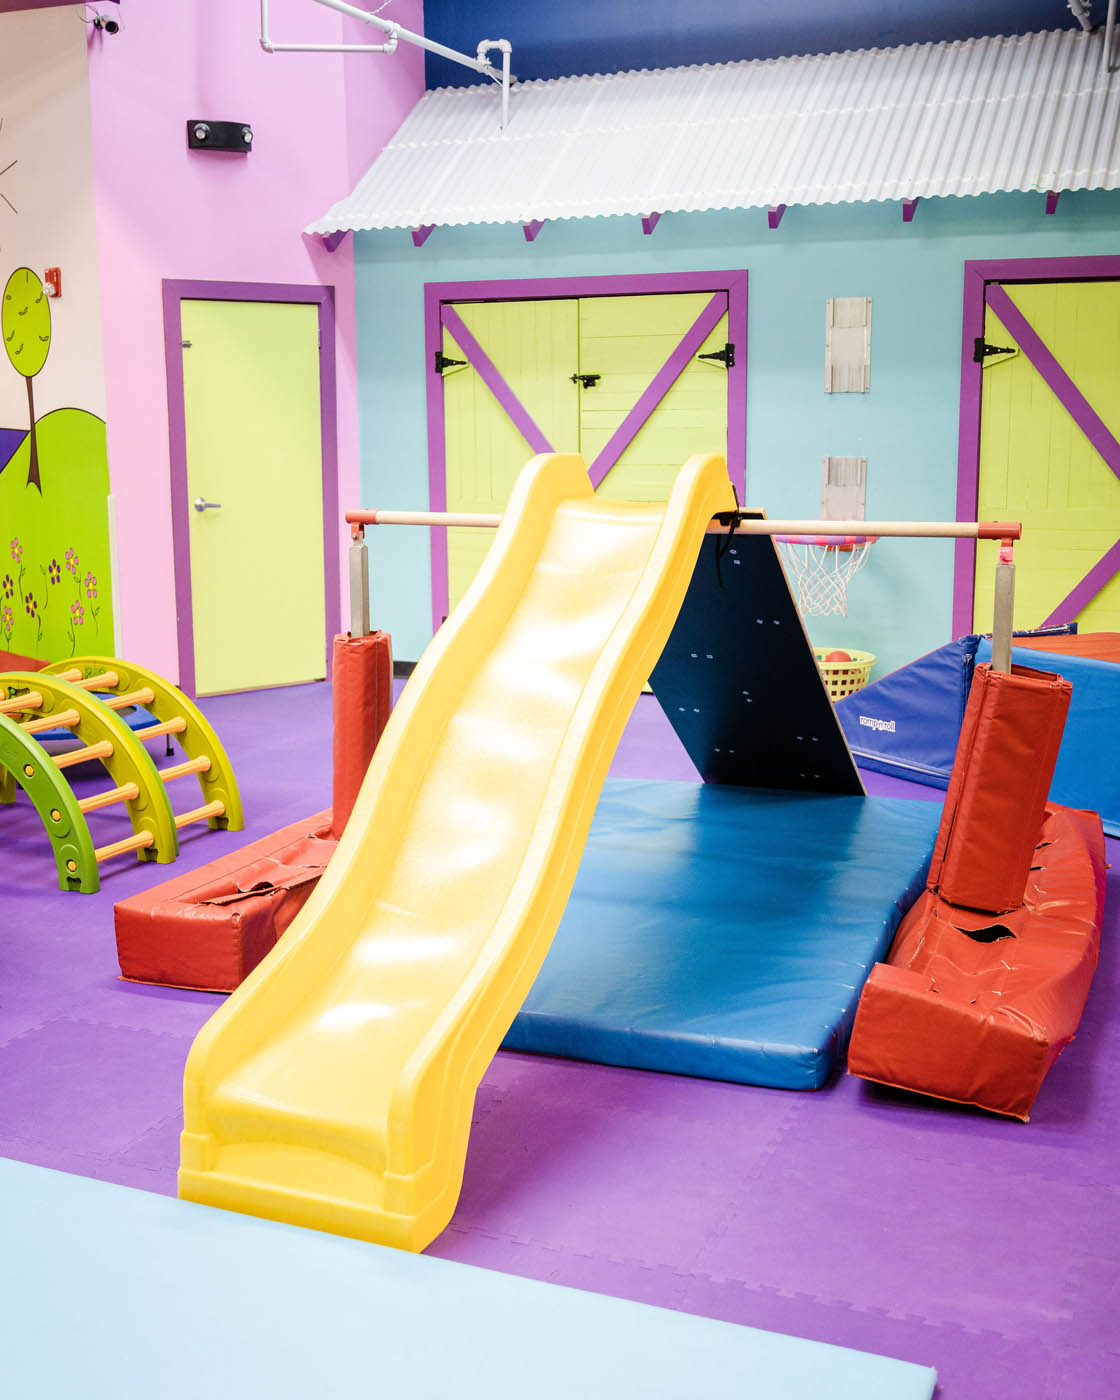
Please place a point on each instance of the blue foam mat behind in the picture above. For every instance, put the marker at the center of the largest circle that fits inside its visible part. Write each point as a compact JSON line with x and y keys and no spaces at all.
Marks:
{"x":112,"y":1292}
{"x":725,"y":932}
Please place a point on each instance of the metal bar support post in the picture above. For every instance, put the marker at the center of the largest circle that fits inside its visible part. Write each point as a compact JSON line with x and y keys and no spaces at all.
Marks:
{"x":1003,"y":620}
{"x":359,"y":585}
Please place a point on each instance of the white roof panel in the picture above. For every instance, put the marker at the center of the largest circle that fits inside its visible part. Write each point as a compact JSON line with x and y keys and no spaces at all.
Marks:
{"x":1031,"y":112}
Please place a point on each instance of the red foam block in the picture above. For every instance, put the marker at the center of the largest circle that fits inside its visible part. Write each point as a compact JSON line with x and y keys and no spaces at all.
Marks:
{"x":976,"y":1007}
{"x":208,"y":929}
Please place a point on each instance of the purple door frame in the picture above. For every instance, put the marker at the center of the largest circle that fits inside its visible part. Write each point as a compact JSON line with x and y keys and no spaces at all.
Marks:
{"x":977,"y":276}
{"x":175,"y":292}
{"x":437,"y":294}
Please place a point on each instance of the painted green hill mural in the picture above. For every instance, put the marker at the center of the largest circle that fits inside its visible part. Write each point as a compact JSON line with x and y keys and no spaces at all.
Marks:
{"x":54,"y":540}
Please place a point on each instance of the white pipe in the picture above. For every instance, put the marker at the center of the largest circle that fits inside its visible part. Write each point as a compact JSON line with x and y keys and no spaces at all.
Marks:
{"x":396,"y":31}
{"x":505,"y":48}
{"x":908,"y":529}
{"x":270,"y":47}
{"x":1109,"y":30}
{"x":1082,"y":13}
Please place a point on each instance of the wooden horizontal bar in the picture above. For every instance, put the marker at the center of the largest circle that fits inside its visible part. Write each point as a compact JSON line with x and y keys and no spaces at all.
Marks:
{"x":144,"y":696}
{"x":107,"y":680}
{"x":180,"y":770}
{"x":31,"y":701}
{"x":127,"y":792}
{"x":102,"y":749}
{"x":139,"y":842}
{"x":65,"y":719}
{"x":910,"y":529}
{"x":198,"y":814}
{"x":175,"y":725}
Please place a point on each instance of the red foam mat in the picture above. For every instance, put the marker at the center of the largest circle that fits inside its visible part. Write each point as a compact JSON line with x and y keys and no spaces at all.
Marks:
{"x":976,"y":1007}
{"x":997,"y":791}
{"x":207,"y":930}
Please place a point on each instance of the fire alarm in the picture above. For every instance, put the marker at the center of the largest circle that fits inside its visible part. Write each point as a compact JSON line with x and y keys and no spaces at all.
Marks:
{"x":52,"y":281}
{"x":205,"y":135}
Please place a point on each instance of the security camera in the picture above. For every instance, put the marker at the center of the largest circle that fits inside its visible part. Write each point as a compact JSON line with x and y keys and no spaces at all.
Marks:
{"x":110,"y":26}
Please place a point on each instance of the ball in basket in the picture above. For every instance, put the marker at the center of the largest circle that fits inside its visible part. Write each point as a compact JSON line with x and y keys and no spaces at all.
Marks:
{"x":838,"y":656}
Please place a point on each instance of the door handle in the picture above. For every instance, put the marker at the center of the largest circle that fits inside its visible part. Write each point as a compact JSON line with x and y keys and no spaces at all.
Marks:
{"x":201,"y":505}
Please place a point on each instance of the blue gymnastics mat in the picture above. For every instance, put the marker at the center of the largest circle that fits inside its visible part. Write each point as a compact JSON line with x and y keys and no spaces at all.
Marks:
{"x":725,"y":932}
{"x":110,"y":1292}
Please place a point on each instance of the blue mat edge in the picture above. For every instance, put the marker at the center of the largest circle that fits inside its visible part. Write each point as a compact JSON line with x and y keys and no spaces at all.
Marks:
{"x":52,"y":1219}
{"x":543,"y":1033}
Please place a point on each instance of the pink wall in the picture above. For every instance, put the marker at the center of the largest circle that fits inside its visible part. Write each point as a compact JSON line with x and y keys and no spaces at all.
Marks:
{"x":165,"y":212}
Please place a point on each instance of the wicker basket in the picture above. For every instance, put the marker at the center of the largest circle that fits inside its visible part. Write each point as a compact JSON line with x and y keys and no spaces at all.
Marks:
{"x":844,"y":677}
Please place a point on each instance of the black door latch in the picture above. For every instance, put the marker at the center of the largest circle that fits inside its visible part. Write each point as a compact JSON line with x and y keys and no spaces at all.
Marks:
{"x":443,"y":362}
{"x":726,"y":356}
{"x":587,"y":380}
{"x":981,"y":350}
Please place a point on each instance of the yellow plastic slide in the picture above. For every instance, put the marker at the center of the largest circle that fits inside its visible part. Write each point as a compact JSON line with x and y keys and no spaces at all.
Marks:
{"x":334,"y":1088}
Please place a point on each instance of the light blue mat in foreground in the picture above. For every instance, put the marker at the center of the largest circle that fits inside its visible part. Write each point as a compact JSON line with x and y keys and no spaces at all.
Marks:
{"x":110,"y":1292}
{"x":726,"y":932}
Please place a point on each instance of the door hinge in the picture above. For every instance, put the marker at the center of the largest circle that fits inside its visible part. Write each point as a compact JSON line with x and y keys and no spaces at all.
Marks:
{"x":186,"y":344}
{"x":981,"y":350}
{"x":443,"y":362}
{"x":587,"y":380}
{"x":726,"y":356}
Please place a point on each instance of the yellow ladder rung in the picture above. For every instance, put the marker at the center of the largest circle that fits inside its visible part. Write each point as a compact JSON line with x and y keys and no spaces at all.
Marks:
{"x":212,"y":809}
{"x":176,"y":725}
{"x":180,"y":770}
{"x":31,"y":701}
{"x":102,"y":749}
{"x":139,"y":842}
{"x":66,"y":719}
{"x":127,"y":792}
{"x":144,"y":696}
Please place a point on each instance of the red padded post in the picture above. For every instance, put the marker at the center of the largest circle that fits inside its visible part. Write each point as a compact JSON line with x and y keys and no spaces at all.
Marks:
{"x":997,"y":794}
{"x":363,"y":695}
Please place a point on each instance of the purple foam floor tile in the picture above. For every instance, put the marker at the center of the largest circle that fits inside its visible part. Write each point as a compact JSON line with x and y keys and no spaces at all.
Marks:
{"x":965,"y":1246}
{"x":806,"y":1207}
{"x":545,"y":1129}
{"x":91,"y":1088}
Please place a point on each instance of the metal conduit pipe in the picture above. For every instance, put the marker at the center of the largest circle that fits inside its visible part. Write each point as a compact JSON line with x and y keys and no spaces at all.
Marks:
{"x":1109,"y":32}
{"x":394,"y":33}
{"x":270,"y":47}
{"x":505,"y":48}
{"x":1082,"y":13}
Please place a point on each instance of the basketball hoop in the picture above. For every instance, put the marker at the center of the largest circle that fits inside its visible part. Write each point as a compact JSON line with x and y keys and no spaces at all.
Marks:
{"x":820,"y":566}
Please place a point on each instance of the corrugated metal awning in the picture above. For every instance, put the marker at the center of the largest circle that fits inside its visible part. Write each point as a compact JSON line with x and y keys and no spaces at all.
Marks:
{"x":1032,"y":112}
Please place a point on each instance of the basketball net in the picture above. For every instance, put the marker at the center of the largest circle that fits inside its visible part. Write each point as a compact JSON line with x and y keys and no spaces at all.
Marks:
{"x":820,"y":566}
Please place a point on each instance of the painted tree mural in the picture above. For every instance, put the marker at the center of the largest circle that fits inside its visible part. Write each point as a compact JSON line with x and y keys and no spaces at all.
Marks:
{"x":25,"y":323}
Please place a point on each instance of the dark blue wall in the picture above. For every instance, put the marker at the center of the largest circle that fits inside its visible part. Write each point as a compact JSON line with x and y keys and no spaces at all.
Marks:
{"x":553,"y":38}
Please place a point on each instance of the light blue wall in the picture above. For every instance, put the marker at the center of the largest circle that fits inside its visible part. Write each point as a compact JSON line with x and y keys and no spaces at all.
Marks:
{"x":906,"y":426}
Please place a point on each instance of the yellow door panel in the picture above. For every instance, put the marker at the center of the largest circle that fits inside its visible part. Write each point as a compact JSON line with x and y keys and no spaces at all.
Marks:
{"x":533,"y":346}
{"x":627,"y":340}
{"x":537,"y":346}
{"x":1036,"y":465}
{"x":253,"y":438}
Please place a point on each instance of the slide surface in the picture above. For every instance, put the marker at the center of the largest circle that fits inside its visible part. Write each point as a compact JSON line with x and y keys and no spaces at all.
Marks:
{"x":334,"y":1088}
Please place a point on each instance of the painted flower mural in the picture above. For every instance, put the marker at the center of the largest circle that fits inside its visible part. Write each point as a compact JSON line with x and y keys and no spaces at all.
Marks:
{"x":54,"y":482}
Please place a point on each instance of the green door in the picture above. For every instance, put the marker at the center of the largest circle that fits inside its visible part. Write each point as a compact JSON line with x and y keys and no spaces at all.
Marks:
{"x":583,"y":374}
{"x":254,"y":444}
{"x":1037,"y":462}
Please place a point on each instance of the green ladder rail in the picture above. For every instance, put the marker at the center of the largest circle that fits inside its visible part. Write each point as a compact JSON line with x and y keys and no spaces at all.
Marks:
{"x":23,"y":761}
{"x":176,"y":715}
{"x":51,"y":703}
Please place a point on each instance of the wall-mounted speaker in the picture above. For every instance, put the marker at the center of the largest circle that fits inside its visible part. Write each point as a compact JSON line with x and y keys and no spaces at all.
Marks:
{"x":206,"y":135}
